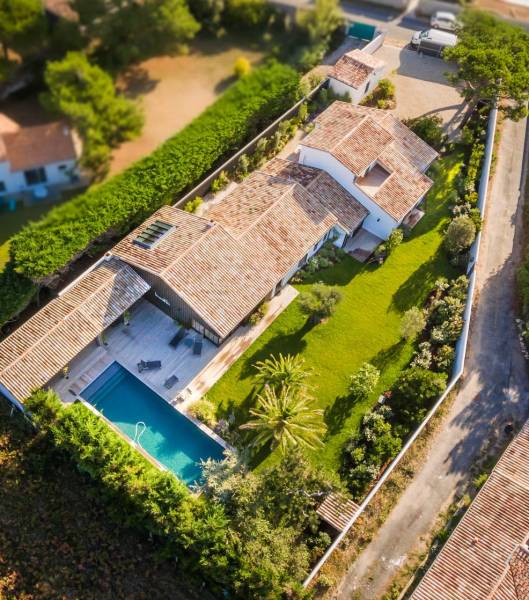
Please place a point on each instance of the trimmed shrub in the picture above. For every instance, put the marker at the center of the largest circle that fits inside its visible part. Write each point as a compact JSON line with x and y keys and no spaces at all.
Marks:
{"x":364,"y":381}
{"x":113,"y":208}
{"x":204,"y":411}
{"x":412,"y":323}
{"x":192,"y":205}
{"x":383,"y":96}
{"x":242,"y":67}
{"x":258,"y":314}
{"x":460,"y":234}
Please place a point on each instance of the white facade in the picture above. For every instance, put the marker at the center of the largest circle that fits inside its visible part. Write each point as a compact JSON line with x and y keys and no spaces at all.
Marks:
{"x":356,"y":94}
{"x":61,"y":173}
{"x":378,"y":222}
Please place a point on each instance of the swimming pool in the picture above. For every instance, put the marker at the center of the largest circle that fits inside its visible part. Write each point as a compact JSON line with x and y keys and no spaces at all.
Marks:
{"x":169,"y":437}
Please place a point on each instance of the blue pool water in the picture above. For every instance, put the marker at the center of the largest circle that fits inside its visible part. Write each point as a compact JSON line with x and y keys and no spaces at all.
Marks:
{"x":170,"y":437}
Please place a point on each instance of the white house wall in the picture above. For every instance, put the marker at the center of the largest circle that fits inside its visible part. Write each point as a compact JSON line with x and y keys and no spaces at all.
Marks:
{"x":15,"y":182}
{"x":378,"y":222}
{"x":338,"y":87}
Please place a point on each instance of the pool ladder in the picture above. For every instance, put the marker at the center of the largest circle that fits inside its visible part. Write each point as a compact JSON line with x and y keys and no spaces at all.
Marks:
{"x":138,"y":433}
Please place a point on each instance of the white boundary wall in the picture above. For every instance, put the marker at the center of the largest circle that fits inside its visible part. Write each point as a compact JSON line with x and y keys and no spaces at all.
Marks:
{"x":461,"y":349}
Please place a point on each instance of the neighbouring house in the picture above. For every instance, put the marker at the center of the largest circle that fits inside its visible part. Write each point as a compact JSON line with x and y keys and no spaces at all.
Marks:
{"x":356,"y":73}
{"x":37,"y":159}
{"x":376,"y":158}
{"x":487,"y":555}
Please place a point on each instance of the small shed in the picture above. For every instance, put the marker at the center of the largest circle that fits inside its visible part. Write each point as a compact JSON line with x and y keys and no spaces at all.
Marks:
{"x":356,"y":73}
{"x":337,"y":510}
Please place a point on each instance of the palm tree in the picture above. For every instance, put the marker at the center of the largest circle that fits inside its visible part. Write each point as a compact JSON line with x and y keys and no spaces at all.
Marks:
{"x":285,"y":418}
{"x":284,"y":371}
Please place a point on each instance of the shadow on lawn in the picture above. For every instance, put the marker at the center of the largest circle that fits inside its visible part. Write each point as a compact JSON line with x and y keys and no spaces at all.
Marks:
{"x":388,"y":356}
{"x":413,"y":291}
{"x":337,"y":414}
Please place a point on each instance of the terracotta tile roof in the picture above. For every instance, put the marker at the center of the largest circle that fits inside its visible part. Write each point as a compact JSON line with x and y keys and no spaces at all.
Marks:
{"x":358,"y":136}
{"x":354,"y":68}
{"x":48,"y":341}
{"x":225,"y":265}
{"x":482,"y":559}
{"x":288,"y":230}
{"x":349,"y":212}
{"x":37,"y":146}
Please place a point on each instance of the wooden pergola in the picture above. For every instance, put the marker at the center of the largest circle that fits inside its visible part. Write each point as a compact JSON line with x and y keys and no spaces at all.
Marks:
{"x":337,"y":510}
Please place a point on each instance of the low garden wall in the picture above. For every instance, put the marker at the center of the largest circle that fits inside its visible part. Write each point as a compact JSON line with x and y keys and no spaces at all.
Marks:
{"x":461,"y":348}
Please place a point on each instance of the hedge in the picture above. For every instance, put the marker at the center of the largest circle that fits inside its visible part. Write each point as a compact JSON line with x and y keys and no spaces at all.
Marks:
{"x":114,"y":207}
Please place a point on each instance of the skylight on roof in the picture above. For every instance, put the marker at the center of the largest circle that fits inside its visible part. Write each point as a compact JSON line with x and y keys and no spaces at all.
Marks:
{"x":152,"y":234}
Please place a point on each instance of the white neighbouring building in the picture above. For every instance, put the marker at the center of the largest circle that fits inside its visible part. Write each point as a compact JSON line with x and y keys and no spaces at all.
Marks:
{"x":34,"y":159}
{"x":357,"y":73}
{"x":376,"y":158}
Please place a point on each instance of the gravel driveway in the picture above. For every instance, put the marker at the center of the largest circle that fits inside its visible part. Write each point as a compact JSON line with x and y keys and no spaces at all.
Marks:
{"x":422,"y":88}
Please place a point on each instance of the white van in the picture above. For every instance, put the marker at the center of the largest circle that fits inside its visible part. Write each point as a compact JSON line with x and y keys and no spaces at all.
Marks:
{"x":443,"y":20}
{"x":433,"y":39}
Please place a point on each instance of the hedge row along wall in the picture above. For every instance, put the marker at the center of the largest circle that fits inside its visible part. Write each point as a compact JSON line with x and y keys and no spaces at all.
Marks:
{"x":114,"y":207}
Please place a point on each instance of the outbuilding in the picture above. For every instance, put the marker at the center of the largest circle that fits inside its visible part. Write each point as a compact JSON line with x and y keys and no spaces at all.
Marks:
{"x":357,"y":73}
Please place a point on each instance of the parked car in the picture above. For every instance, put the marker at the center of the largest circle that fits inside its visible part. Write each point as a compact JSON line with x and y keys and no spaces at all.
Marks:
{"x":443,"y":20}
{"x":433,"y":40}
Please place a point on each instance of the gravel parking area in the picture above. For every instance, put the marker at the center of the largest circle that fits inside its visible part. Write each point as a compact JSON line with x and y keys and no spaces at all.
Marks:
{"x":421,"y":86}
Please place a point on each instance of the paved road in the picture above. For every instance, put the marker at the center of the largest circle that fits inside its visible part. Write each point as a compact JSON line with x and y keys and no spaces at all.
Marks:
{"x":399,"y":26}
{"x":495,"y":387}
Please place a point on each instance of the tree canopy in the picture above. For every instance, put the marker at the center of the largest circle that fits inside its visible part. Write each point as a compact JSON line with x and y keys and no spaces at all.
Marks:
{"x":19,"y":20}
{"x":492,"y":59}
{"x":86,"y":95}
{"x":126,"y":31}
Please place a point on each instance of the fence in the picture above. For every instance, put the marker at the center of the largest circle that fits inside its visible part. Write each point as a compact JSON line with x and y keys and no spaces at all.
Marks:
{"x":461,"y":349}
{"x":205,"y":184}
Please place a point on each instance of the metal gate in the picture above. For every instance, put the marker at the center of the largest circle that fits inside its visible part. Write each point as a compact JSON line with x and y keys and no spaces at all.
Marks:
{"x":361,"y":31}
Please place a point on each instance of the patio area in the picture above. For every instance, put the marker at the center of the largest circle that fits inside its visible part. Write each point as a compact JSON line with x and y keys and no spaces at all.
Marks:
{"x":362,"y":245}
{"x":147,"y":338}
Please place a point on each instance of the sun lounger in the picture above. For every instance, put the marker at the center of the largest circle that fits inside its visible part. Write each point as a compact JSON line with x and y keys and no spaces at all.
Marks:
{"x":170,"y":381}
{"x":197,"y":346}
{"x":180,"y":335}
{"x":149,"y":365}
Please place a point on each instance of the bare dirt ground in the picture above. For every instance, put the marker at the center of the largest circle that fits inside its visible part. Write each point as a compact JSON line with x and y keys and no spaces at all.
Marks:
{"x":175,"y":89}
{"x":421,"y":85}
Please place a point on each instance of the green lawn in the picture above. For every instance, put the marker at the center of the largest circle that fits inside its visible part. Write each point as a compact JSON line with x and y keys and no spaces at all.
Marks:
{"x":365,"y":326}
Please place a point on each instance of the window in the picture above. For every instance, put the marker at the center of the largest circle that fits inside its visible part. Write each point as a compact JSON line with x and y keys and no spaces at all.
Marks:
{"x":152,"y":234}
{"x":2,"y":186}
{"x":35,"y":176}
{"x":62,"y":167}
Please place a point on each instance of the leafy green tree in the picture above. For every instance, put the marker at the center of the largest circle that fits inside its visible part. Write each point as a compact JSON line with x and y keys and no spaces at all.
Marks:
{"x":86,"y":95}
{"x":319,"y":302}
{"x":284,"y":371}
{"x":320,"y":22}
{"x":21,"y":22}
{"x":394,"y":240}
{"x":412,"y":323}
{"x":209,"y":13}
{"x":364,"y":381}
{"x":492,"y":59}
{"x":123,"y":32}
{"x":285,"y":418}
{"x":246,"y":13}
{"x":460,"y":234}
{"x":413,"y":393}
{"x":429,"y":129}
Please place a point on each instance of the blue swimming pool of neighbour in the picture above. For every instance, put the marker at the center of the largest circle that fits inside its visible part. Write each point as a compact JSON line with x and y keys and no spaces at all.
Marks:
{"x":169,"y":437}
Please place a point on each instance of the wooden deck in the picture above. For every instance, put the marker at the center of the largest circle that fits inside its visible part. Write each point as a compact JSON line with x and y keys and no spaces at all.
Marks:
{"x":147,"y":338}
